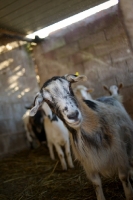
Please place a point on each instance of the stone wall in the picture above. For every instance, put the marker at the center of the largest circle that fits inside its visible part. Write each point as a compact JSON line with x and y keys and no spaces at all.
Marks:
{"x":97,"y":46}
{"x":126,"y":10}
{"x":18,"y":85}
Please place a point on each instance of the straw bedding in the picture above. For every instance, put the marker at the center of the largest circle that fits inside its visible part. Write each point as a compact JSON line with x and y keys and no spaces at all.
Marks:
{"x":32,"y":175}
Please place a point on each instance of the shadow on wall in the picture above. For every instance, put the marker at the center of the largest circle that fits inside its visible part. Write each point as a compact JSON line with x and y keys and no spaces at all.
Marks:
{"x":18,"y":86}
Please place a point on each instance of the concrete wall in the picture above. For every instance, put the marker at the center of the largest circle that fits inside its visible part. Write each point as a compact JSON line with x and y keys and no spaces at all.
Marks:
{"x":97,"y":46}
{"x":17,"y":86}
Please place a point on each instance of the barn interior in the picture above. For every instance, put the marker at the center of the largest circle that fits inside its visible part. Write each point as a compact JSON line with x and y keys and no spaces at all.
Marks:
{"x":99,"y":46}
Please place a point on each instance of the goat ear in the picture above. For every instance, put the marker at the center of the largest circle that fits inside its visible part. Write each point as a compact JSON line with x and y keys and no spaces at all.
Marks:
{"x":37,"y":103}
{"x":105,"y":88}
{"x":120,"y":86}
{"x":73,"y":78}
{"x":90,"y":90}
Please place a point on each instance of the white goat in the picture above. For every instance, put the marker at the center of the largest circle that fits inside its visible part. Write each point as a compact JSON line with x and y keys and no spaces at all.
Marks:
{"x":58,"y":136}
{"x":101,"y":133}
{"x":114,"y":92}
{"x":84,"y":92}
{"x":114,"y":89}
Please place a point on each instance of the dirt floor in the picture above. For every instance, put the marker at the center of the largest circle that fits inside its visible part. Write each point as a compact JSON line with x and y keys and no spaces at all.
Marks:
{"x":31,"y":175}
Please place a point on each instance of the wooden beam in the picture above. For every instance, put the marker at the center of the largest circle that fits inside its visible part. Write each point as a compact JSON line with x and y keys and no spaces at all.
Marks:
{"x":4,"y":31}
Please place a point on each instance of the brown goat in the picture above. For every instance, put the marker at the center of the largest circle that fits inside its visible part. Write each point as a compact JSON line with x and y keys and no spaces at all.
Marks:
{"x":101,"y":133}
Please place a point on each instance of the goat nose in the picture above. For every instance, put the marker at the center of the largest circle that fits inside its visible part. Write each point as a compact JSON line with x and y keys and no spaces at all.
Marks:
{"x":73,"y":115}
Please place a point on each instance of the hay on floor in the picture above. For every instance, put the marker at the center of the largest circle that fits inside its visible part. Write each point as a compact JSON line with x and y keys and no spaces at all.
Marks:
{"x":32,"y":175}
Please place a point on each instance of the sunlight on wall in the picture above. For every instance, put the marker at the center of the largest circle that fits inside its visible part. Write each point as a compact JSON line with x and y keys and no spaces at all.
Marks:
{"x":78,"y":17}
{"x":20,"y":73}
{"x":14,"y":87}
{"x":5,"y":63}
{"x":17,"y":68}
{"x":2,"y":48}
{"x":23,"y":93}
{"x":13,"y":82}
{"x":12,"y":79}
{"x":13,"y":73}
{"x":10,"y":46}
